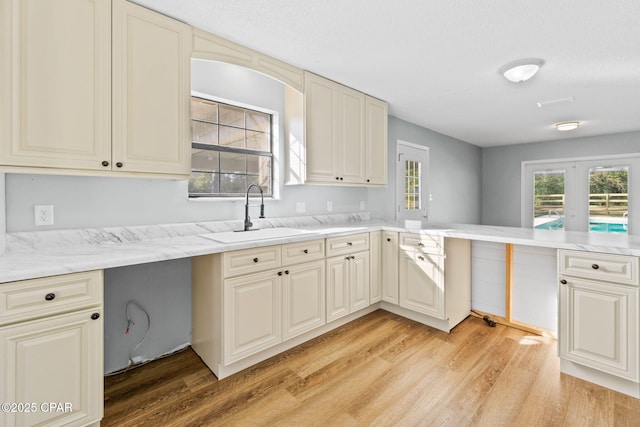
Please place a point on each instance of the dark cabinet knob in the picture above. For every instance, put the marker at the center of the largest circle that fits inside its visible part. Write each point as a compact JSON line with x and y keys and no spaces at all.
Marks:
{"x":105,"y":163}
{"x":420,"y":244}
{"x":306,"y":251}
{"x":255,"y":260}
{"x":337,"y":178}
{"x":368,"y":180}
{"x":341,"y":178}
{"x":286,"y":272}
{"x":50,"y":297}
{"x":421,"y":258}
{"x":595,"y":266}
{"x":349,"y":243}
{"x":564,"y":282}
{"x":279,"y":273}
{"x":95,"y":316}
{"x":119,"y":164}
{"x":388,"y":239}
{"x":353,"y":257}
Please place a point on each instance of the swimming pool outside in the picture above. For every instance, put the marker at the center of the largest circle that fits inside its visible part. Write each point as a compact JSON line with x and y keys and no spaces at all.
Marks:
{"x":601,"y":225}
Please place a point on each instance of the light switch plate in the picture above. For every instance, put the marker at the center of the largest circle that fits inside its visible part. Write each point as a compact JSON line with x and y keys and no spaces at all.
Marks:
{"x":300,"y":207}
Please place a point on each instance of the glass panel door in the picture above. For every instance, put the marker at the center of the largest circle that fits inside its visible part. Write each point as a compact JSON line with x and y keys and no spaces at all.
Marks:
{"x":609,"y":199}
{"x":548,"y":199}
{"x":411,"y":191}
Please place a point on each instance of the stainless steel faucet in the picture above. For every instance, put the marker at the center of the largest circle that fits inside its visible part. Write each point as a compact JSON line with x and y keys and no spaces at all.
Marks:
{"x":247,"y":220}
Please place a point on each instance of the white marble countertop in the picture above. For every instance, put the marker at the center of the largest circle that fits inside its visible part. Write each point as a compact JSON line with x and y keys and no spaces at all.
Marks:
{"x":39,"y":254}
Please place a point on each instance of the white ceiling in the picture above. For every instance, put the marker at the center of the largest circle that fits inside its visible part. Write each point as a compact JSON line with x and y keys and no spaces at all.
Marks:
{"x":436,"y":62}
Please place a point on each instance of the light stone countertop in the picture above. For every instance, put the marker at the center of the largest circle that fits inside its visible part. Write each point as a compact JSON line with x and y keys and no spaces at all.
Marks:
{"x":39,"y":254}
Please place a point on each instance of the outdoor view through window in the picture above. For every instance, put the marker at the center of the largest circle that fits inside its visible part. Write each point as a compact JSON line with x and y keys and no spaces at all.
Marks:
{"x":608,"y":199}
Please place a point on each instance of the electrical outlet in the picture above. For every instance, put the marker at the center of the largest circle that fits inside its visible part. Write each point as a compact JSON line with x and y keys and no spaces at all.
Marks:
{"x":329,"y":206}
{"x":43,"y":214}
{"x":300,"y":207}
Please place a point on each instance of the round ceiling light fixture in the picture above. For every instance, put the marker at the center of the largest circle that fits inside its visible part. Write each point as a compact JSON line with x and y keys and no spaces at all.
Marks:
{"x":566,"y":126}
{"x":521,"y":70}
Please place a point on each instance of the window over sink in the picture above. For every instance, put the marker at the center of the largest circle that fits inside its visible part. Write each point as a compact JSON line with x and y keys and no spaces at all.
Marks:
{"x":231,"y":148}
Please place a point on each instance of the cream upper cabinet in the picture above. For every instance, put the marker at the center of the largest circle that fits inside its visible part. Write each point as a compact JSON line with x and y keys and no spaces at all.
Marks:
{"x":55,"y":83}
{"x":376,"y":145}
{"x":345,"y":135}
{"x":151,"y":91}
{"x":94,"y":85}
{"x":322,"y":137}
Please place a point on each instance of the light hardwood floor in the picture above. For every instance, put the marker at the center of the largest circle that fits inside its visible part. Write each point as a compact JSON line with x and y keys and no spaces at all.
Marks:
{"x":381,"y":370}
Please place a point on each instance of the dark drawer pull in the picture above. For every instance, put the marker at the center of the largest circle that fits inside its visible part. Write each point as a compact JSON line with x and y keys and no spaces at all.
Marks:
{"x":119,"y":164}
{"x":420,"y":244}
{"x":349,"y":243}
{"x":286,"y":272}
{"x":420,"y":257}
{"x":95,"y":316}
{"x":388,"y":239}
{"x":306,"y":251}
{"x":564,"y":282}
{"x":255,"y":260}
{"x":105,"y":163}
{"x":50,"y":297}
{"x":595,"y":266}
{"x":279,"y":273}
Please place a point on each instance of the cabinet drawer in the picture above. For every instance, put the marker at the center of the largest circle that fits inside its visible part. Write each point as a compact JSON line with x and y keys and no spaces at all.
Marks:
{"x":422,"y":242}
{"x":347,"y":244}
{"x":621,"y":269}
{"x":252,"y":260}
{"x":29,"y":299}
{"x":294,"y":253}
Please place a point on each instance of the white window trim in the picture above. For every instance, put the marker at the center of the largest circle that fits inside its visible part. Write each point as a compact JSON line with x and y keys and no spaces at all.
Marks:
{"x":400,"y":178}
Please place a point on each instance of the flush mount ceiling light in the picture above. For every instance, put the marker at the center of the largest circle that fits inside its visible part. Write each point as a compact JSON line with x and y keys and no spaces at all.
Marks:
{"x":521,"y":70}
{"x":565,"y":126}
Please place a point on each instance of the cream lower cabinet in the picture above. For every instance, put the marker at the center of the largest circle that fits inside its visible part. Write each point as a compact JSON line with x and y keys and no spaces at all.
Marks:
{"x":303,"y":298}
{"x":94,"y":85}
{"x":51,"y":350}
{"x":247,"y":301}
{"x":599,"y":312}
{"x":389,"y":272}
{"x":422,"y":283}
{"x":435,"y":278}
{"x":375,"y":266}
{"x":348,"y":270}
{"x":252,"y":314}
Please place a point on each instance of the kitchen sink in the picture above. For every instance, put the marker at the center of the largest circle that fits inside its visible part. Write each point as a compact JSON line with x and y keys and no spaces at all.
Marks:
{"x":260,"y":234}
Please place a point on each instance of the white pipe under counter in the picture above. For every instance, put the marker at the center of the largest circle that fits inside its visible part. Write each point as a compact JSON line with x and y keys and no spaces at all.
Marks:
{"x":39,"y":254}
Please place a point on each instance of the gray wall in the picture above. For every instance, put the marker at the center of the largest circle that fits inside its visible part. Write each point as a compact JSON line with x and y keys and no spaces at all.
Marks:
{"x":501,"y":169}
{"x":454,"y":174}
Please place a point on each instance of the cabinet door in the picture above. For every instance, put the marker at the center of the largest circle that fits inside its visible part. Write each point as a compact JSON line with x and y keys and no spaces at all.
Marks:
{"x":375,"y":266}
{"x":252,"y":314}
{"x":422,"y":283}
{"x":359,"y":281}
{"x":350,"y":158}
{"x":57,"y":359}
{"x":321,"y":129}
{"x":390,"y":267}
{"x":55,"y":83}
{"x":151,"y":91}
{"x":599,"y":326}
{"x":303,"y":296}
{"x":337,"y":287}
{"x":375,"y":153}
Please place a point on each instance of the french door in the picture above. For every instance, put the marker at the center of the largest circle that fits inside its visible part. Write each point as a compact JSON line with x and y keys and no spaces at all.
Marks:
{"x":593,"y":195}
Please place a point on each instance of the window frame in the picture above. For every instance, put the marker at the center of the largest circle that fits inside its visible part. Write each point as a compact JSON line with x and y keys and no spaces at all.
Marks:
{"x":272,"y":154}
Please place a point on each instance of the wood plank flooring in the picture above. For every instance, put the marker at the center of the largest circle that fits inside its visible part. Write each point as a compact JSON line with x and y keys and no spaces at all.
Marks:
{"x":381,"y":370}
